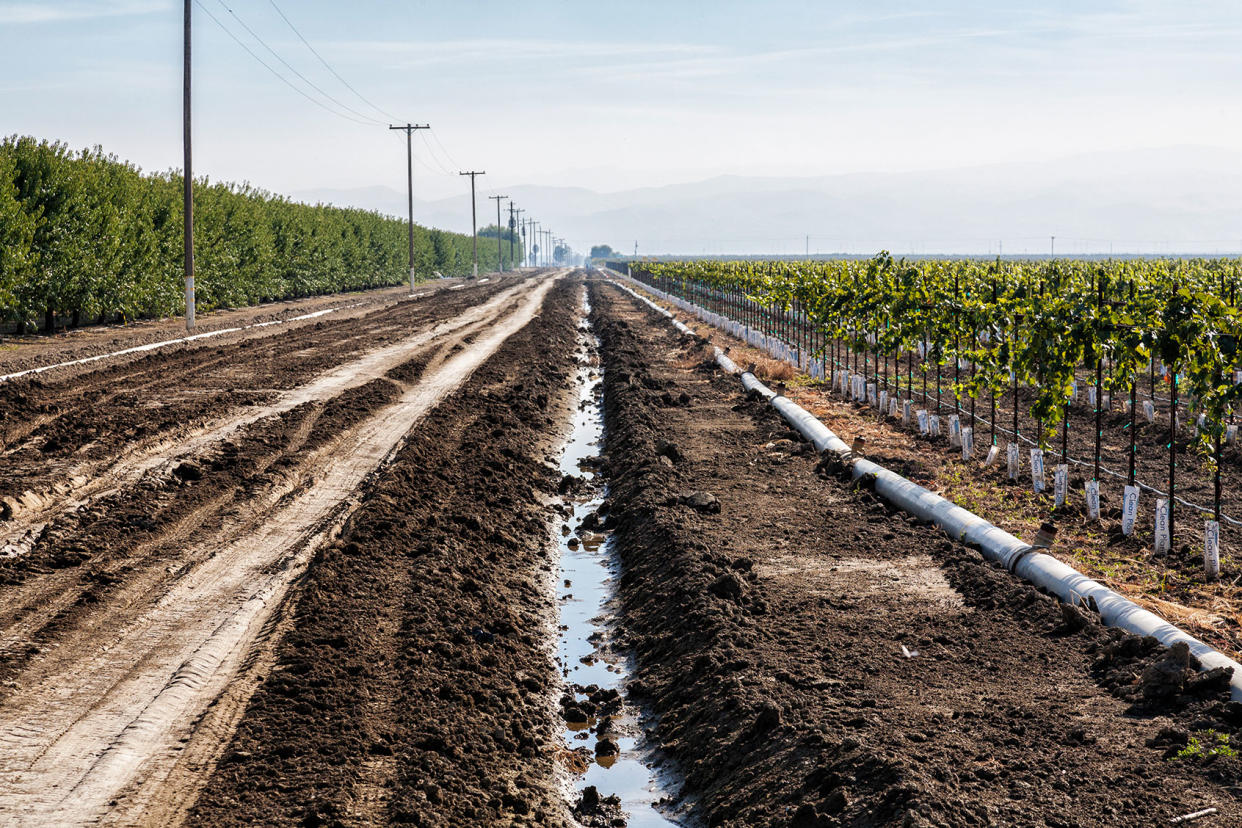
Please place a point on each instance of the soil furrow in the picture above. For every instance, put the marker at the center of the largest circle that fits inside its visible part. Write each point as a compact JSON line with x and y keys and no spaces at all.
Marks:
{"x":416,"y":685}
{"x":93,"y":715}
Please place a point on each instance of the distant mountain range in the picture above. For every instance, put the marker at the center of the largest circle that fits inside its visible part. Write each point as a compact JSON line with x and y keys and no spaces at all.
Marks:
{"x":1178,"y":199}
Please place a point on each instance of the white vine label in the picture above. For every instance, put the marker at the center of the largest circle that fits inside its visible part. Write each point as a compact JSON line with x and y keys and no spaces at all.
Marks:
{"x":1231,"y":434}
{"x":906,"y":408}
{"x":1091,"y":396}
{"x":1092,"y":490}
{"x":1211,"y":549}
{"x":1060,"y":485}
{"x":1149,"y":411}
{"x":892,"y":407}
{"x":1129,"y":509}
{"x":990,"y":460}
{"x":1013,"y":461}
{"x":955,"y":430}
{"x":1037,"y":469}
{"x":933,"y":425}
{"x":968,"y":442}
{"x":871,"y":394}
{"x":922,"y":421}
{"x":1162,"y":526}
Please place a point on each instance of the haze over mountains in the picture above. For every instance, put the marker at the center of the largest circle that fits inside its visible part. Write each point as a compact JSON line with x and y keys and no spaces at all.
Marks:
{"x":1180,"y":199}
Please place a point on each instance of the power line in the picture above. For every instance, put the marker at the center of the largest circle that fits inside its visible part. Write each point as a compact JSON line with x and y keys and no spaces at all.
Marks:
{"x":434,"y":158}
{"x":290,"y":67}
{"x":447,"y":154}
{"x":268,"y":67}
{"x":328,"y":66}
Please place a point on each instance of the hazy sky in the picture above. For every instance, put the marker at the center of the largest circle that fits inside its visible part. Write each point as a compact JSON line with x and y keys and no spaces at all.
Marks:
{"x":616,"y":95}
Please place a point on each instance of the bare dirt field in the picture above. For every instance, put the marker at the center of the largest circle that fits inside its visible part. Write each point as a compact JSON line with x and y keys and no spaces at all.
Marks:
{"x":312,"y":574}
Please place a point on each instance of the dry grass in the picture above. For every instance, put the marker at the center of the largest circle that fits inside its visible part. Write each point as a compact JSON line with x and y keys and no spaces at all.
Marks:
{"x":1179,"y":594}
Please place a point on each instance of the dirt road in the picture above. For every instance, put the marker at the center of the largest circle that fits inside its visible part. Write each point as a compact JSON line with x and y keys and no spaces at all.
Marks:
{"x":119,"y":638}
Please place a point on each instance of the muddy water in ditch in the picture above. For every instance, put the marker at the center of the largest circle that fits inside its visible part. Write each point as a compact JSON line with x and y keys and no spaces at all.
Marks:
{"x":603,"y":732}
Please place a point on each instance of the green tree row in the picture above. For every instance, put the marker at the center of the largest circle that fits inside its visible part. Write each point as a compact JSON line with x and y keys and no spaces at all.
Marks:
{"x":87,"y":237}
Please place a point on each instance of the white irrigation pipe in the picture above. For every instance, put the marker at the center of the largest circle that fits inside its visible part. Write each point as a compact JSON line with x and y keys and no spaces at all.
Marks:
{"x":1038,"y":568}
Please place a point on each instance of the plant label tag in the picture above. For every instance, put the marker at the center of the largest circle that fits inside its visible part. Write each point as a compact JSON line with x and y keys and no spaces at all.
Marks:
{"x":1073,"y":394}
{"x":1091,"y":396}
{"x":1162,"y":526}
{"x":1092,"y":490}
{"x":1108,"y":403}
{"x":883,"y":401}
{"x":1237,"y":377}
{"x":968,"y":442}
{"x":1013,"y":461}
{"x":922,"y":421}
{"x":1211,"y":549}
{"x":871,"y":394}
{"x":1149,"y":411}
{"x":1231,"y":434}
{"x":1037,"y":469}
{"x":906,"y":408}
{"x":1129,"y":509}
{"x":1060,"y":485}
{"x":933,"y":425}
{"x":990,"y":460}
{"x":955,"y":430}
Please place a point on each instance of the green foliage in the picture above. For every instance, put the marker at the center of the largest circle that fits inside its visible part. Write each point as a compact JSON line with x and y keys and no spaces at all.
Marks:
{"x":1042,"y":321}
{"x":85,"y":235}
{"x":602,"y":251}
{"x":1213,"y":745}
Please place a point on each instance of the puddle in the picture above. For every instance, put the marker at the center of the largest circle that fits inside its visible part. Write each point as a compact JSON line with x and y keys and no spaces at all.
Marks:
{"x":601,"y":729}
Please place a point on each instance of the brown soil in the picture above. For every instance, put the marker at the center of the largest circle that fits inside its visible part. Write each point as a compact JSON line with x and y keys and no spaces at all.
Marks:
{"x":49,"y":424}
{"x":769,"y":637}
{"x":416,"y":684}
{"x":20,"y":353}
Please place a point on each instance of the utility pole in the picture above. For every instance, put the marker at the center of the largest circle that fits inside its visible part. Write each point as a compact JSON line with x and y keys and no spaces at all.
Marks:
{"x":515,"y":218}
{"x":474,"y":219}
{"x":409,"y":184}
{"x":188,"y":181}
{"x":536,"y":247}
{"x":1054,"y":246}
{"x":500,"y":256}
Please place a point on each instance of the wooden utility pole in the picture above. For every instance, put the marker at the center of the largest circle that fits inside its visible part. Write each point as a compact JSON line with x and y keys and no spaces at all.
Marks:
{"x":500,"y":256}
{"x":513,"y":214}
{"x":188,"y":180}
{"x":474,"y":218}
{"x":409,"y":184}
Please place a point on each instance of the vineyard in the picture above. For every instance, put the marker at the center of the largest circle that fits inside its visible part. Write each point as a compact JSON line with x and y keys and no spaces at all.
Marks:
{"x":86,"y":237}
{"x":1094,"y":356}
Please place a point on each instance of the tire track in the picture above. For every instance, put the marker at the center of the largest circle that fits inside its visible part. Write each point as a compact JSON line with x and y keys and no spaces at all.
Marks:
{"x":69,"y":738}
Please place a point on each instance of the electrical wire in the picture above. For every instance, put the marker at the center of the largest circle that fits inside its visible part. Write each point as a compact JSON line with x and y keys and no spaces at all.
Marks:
{"x":447,"y":154}
{"x":290,"y":67}
{"x":328,"y":66}
{"x":268,"y":67}
{"x":431,"y":153}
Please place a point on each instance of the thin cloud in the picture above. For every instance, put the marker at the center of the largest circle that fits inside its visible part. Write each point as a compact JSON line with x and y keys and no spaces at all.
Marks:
{"x":423,"y":53}
{"x":54,"y":12}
